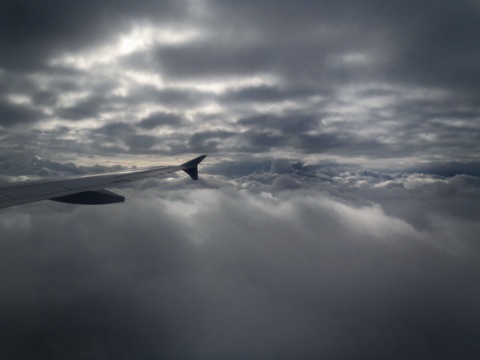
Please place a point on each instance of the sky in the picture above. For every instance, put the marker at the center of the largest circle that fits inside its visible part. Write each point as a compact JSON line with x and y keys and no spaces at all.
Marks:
{"x":337,"y":213}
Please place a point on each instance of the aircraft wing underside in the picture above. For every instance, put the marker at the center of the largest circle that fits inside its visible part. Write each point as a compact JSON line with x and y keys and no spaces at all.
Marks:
{"x":85,"y":189}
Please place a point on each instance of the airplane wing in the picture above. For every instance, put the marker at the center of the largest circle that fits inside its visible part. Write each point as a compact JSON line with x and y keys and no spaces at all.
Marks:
{"x":85,"y":189}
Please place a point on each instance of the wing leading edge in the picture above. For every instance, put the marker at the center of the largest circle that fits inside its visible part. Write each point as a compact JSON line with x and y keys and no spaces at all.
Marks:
{"x":85,"y":189}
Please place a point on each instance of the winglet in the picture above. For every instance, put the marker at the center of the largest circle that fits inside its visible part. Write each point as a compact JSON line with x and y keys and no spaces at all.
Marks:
{"x":191,"y":167}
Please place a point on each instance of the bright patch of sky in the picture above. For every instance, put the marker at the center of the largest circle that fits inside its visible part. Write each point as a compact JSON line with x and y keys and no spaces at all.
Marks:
{"x":140,"y":38}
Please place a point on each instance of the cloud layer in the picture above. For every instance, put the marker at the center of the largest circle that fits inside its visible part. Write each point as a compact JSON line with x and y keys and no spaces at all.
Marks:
{"x":286,"y":262}
{"x":337,"y":215}
{"x":385,"y":84}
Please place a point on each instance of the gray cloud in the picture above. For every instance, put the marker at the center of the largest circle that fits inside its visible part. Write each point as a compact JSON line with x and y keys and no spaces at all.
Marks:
{"x":37,"y":167}
{"x":338,"y":211}
{"x":87,"y":108}
{"x":397,"y":66}
{"x":285,"y":124}
{"x":208,"y":141}
{"x":160,"y":120}
{"x":15,"y":114}
{"x":278,"y":270}
{"x":124,"y":139}
{"x":265,"y":94}
{"x":32,"y":32}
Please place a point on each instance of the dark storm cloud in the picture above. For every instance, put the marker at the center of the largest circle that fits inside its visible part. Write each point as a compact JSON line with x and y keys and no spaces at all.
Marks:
{"x":341,"y":143}
{"x":211,"y":60}
{"x":160,"y":119}
{"x":266,"y":94}
{"x":451,"y":168}
{"x":208,"y":141}
{"x":33,"y":32}
{"x":298,"y":41}
{"x":87,"y":108}
{"x":12,"y":114}
{"x":303,"y":52}
{"x":425,"y":41}
{"x":122,"y":138}
{"x":138,"y":143}
{"x":342,"y":44}
{"x":293,"y":124}
{"x":238,"y":168}
{"x":116,"y":130}
{"x":430,"y":126}
{"x":293,"y":131}
{"x":179,"y":98}
{"x":262,"y":141}
{"x":439,"y":48}
{"x":169,"y":97}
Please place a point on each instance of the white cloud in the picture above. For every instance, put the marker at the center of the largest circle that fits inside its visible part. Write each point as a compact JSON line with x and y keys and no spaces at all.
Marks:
{"x":140,"y":37}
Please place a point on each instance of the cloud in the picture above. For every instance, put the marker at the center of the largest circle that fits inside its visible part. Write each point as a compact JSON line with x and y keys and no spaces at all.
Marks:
{"x":86,"y":108}
{"x":36,"y":167}
{"x":31,"y":33}
{"x":337,"y":215}
{"x":265,"y":94}
{"x":208,"y":141}
{"x":160,"y":120}
{"x":340,"y":79}
{"x":12,"y":113}
{"x":238,"y":269}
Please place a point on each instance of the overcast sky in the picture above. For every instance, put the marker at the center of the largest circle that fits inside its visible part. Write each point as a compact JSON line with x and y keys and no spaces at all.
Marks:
{"x":338,"y":209}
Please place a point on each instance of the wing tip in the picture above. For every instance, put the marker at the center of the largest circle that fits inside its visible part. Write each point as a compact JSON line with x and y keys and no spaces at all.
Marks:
{"x":191,"y":167}
{"x":194,"y":162}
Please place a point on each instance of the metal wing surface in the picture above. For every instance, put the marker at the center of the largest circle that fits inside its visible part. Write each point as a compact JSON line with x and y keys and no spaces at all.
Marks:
{"x":85,"y":189}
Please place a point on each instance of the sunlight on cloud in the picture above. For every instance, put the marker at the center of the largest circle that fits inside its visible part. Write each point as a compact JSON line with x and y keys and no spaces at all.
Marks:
{"x":141,"y":37}
{"x":281,"y":106}
{"x":70,"y":98}
{"x":452,"y":122}
{"x":130,"y":78}
{"x":372,"y":220}
{"x":210,"y":86}
{"x":214,"y":86}
{"x":294,"y":210}
{"x":144,"y":78}
{"x":19,"y":99}
{"x":356,"y":58}
{"x":353,"y":102}
{"x":219,"y":85}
